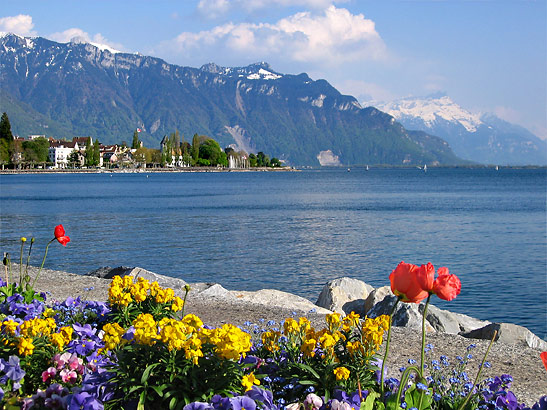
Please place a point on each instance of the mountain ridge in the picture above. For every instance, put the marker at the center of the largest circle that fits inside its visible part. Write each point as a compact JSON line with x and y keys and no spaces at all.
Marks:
{"x":107,"y":95}
{"x":482,"y":138}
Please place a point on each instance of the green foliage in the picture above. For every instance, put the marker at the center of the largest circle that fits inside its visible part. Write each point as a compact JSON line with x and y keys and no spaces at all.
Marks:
{"x":6,"y":139}
{"x":36,"y":150}
{"x":210,"y":150}
{"x":136,"y":142}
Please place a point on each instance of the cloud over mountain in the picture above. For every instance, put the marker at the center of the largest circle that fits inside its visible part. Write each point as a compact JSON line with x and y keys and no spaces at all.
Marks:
{"x":332,"y":37}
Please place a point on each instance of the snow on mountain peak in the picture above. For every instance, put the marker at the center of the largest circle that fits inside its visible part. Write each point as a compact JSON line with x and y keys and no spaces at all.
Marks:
{"x":431,"y":109}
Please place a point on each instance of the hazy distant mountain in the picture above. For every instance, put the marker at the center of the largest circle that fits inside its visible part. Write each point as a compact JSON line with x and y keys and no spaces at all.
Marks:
{"x":82,"y":89}
{"x":481,"y":138}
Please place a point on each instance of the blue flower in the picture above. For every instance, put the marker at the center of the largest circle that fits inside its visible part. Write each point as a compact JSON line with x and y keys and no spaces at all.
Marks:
{"x":197,"y":405}
{"x":84,"y":401}
{"x":242,"y":403}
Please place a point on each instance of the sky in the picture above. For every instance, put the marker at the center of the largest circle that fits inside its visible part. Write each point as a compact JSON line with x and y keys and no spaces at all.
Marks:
{"x":486,"y":55}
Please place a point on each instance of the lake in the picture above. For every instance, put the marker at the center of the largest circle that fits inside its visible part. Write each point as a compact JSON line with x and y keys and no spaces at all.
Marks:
{"x":294,"y":231}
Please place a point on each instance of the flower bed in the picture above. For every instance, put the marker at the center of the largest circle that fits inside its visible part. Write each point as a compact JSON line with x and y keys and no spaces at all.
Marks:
{"x":139,"y":350}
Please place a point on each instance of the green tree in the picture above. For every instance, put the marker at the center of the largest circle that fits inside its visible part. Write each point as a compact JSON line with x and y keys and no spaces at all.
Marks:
{"x":36,"y":151}
{"x":195,"y":147}
{"x":143,"y":155}
{"x":275,"y":162}
{"x":210,"y":150}
{"x":6,"y":140}
{"x":96,"y":153}
{"x":136,"y":143}
{"x":89,"y":153}
{"x":74,"y":159}
{"x":252,"y":160}
{"x":156,"y":156}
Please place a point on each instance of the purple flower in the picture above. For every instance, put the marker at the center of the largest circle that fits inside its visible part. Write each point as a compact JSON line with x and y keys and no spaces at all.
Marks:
{"x":220,"y":403}
{"x":262,"y":396}
{"x":197,"y":405}
{"x":507,"y":401}
{"x":12,"y":370}
{"x":84,"y":401}
{"x":242,"y":402}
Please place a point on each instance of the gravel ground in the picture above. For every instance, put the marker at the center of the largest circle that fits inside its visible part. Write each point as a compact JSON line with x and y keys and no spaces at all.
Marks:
{"x":522,"y":362}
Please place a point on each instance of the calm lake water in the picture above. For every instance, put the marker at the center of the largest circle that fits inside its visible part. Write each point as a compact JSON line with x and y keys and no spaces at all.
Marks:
{"x":294,"y":231}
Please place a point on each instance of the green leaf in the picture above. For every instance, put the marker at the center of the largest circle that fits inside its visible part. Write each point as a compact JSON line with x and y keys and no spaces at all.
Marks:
{"x":146,"y":373}
{"x":368,"y":404}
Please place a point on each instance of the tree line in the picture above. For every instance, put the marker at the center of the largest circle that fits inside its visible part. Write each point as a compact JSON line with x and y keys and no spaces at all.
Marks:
{"x":175,"y":151}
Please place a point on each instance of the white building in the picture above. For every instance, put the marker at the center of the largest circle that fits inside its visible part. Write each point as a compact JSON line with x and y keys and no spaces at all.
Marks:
{"x":59,"y":152}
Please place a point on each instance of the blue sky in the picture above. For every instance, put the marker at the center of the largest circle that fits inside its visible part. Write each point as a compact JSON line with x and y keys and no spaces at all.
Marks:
{"x":487,"y":55}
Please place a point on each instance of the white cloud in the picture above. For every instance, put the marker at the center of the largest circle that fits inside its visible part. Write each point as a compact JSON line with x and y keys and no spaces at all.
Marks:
{"x":330,"y":38}
{"x":216,"y":8}
{"x":71,"y":33}
{"x":21,"y":24}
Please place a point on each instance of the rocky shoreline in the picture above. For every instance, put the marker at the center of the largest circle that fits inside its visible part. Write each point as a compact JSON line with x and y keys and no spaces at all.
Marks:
{"x":216,"y":305}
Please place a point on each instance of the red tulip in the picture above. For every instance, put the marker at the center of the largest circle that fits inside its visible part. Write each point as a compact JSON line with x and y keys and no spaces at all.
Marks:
{"x":60,"y":235}
{"x":447,"y":286}
{"x":405,"y":285}
{"x":543,"y":356}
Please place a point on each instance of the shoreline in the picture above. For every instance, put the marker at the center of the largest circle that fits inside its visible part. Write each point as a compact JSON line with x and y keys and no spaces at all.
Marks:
{"x":142,"y":170}
{"x":210,"y":303}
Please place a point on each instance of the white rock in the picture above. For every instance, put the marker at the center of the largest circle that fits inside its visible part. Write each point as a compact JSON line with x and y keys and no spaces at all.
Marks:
{"x":344,"y":295}
{"x":273,"y":298}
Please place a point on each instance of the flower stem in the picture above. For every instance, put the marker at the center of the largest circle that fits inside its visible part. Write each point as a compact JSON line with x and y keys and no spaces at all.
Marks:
{"x":422,"y":354}
{"x":187,"y":290}
{"x":387,"y":348}
{"x":21,"y":264}
{"x":422,"y":357}
{"x":42,"y":265}
{"x":28,"y":256}
{"x":480,"y":370}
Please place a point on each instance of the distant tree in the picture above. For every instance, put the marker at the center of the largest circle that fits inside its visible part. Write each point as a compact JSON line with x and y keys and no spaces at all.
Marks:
{"x":195,"y":147}
{"x":252,"y":160}
{"x":156,"y":156}
{"x":6,"y":139}
{"x":96,"y":153}
{"x":89,"y":153}
{"x":275,"y":162}
{"x":143,"y":155}
{"x":262,"y":160}
{"x":36,"y":151}
{"x":210,"y":150}
{"x":135,"y":143}
{"x":74,"y":159}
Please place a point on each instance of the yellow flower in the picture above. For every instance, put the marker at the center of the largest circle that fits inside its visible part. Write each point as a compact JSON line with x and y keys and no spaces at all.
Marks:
{"x":333,"y":322}
{"x":48,"y":312}
{"x":249,"y":380}
{"x":291,"y":326}
{"x":177,"y":305}
{"x":146,"y":329}
{"x":23,"y":239}
{"x":341,"y":373}
{"x":10,"y":327}
{"x":350,"y":321}
{"x":192,"y":320}
{"x":25,"y":346}
{"x":113,"y":333}
{"x":308,"y":347}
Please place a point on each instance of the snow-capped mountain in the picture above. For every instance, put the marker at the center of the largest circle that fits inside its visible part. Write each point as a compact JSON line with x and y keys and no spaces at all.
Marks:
{"x":483,"y":138}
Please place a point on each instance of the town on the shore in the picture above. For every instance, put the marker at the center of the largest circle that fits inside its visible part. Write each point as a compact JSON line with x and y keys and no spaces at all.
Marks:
{"x":39,"y":152}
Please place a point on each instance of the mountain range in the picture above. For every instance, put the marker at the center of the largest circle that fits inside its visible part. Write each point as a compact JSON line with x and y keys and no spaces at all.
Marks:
{"x":482,"y":138}
{"x":80,"y":89}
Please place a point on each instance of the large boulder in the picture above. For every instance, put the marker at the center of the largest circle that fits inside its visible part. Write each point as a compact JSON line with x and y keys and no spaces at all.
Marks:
{"x":448,"y":322}
{"x":508,"y":333}
{"x":344,"y":295}
{"x":276,"y":298}
{"x":107,"y":272}
{"x":406,"y":314}
{"x":376,"y":296}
